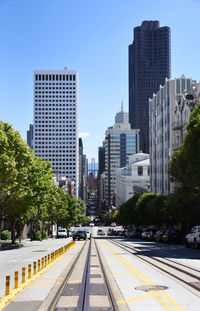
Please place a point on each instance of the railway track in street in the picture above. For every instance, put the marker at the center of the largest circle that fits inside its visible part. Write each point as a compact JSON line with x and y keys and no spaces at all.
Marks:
{"x":86,"y":286}
{"x":188,"y":276}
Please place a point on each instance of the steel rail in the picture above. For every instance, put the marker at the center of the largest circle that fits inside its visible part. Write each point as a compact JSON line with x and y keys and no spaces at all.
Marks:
{"x":126,"y":248}
{"x":59,"y":291}
{"x":110,"y":292}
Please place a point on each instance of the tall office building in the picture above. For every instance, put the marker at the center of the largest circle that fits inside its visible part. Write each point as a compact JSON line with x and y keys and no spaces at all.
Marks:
{"x":120,"y":142}
{"x":149,"y":65}
{"x":101,"y":170}
{"x":55,"y":132}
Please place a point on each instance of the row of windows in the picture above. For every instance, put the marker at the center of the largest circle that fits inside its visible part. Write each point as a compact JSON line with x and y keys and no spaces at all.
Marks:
{"x":67,"y":86}
{"x":49,"y":77}
{"x":49,"y":125}
{"x":55,"y":105}
{"x":54,"y":100}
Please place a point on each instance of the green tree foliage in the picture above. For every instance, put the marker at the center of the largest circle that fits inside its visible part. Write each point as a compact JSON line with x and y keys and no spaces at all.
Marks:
{"x":184,"y":166}
{"x":27,"y":189}
{"x":144,"y":209}
{"x":15,"y":162}
{"x":184,"y":169}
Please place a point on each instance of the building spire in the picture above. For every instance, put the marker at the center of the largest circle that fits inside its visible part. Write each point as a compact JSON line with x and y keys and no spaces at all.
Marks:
{"x":122,"y":106}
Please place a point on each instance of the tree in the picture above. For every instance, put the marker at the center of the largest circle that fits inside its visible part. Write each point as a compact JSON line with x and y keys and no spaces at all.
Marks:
{"x":41,"y":183}
{"x":184,"y":169}
{"x":143,"y":213}
{"x":184,"y":166}
{"x":15,"y":163}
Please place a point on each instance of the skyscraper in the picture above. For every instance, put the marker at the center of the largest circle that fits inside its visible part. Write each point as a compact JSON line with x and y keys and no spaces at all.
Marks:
{"x":55,"y":132}
{"x":120,"y":142}
{"x":149,"y":65}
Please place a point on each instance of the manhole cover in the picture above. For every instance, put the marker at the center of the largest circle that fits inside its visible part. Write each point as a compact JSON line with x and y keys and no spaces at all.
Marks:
{"x":148,"y":288}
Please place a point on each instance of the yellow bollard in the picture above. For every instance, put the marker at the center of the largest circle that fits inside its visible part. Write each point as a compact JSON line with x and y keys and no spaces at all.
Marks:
{"x":34,"y":267}
{"x":23,"y":274}
{"x":45,"y":260}
{"x":16,"y":279}
{"x":38,"y":265}
{"x":29,"y":271}
{"x":42,"y":263}
{"x":48,"y":259}
{"x":7,"y":285}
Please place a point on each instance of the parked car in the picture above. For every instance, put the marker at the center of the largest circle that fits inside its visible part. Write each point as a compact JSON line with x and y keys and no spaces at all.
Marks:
{"x":113,"y":224}
{"x":69,"y":233}
{"x":137,"y":234}
{"x":88,"y":235}
{"x":158,"y":235}
{"x":193,"y":238}
{"x":100,"y":232}
{"x":77,"y":225}
{"x":80,"y":235}
{"x":145,"y":234}
{"x":171,"y":236}
{"x":91,"y":224}
{"x":129,"y":233}
{"x":62,"y":233}
{"x":150,"y":234}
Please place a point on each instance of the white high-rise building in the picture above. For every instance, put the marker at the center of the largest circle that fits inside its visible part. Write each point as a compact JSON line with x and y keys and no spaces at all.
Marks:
{"x":56,"y":120}
{"x":120,"y":142}
{"x":161,"y":130}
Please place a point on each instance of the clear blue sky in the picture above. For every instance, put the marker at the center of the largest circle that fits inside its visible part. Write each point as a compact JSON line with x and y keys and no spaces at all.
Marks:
{"x":92,"y":37}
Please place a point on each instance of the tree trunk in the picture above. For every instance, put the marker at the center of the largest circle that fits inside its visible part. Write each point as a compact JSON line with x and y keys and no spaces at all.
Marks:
{"x":13,"y":223}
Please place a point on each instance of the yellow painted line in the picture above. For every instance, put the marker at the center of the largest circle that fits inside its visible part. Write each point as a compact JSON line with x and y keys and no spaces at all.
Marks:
{"x":43,"y":285}
{"x":137,"y":299}
{"x":119,"y":274}
{"x":179,"y":308}
{"x":79,"y":266}
{"x":163,"y":302}
{"x":124,"y":263}
{"x":135,"y":272}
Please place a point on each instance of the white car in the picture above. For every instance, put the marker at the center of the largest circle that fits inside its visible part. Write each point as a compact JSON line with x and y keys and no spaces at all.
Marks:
{"x":193,"y":238}
{"x":100,"y":232}
{"x":62,"y":233}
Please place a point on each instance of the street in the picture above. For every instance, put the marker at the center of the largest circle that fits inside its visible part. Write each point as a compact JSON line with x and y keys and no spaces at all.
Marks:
{"x":145,"y":275}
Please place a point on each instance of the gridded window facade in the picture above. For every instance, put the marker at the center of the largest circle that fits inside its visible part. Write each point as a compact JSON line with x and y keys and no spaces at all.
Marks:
{"x":56,"y":120}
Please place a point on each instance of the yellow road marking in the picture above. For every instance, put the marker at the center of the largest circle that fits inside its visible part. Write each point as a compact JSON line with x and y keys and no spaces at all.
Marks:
{"x":179,"y":308}
{"x":137,"y":299}
{"x":135,"y":272}
{"x":74,"y":281}
{"x":43,"y":285}
{"x":119,"y":274}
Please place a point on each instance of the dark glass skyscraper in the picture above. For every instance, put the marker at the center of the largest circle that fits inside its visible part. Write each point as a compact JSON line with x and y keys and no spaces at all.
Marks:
{"x":149,"y":65}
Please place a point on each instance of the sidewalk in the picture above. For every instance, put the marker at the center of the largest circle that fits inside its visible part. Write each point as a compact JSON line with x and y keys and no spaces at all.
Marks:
{"x":14,"y":259}
{"x":49,"y":279}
